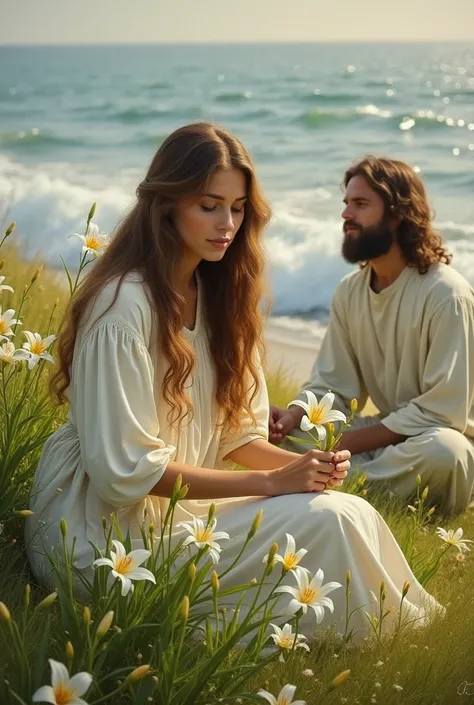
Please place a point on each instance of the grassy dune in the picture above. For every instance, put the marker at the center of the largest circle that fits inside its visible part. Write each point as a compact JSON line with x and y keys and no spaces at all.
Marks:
{"x":432,"y":665}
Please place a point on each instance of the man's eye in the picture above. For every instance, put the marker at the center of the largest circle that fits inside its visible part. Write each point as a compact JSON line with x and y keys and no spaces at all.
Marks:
{"x":208,"y":209}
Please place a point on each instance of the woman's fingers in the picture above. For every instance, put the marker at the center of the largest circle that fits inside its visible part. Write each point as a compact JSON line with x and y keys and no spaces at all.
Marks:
{"x":341,"y":456}
{"x":343,"y":467}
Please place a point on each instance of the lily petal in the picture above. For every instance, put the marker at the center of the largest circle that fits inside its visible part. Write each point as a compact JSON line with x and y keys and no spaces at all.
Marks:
{"x":81,"y":682}
{"x":45,"y":694}
{"x":59,"y":673}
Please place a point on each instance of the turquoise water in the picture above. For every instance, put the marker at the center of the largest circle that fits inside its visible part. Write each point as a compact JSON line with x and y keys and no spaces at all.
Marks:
{"x":80,"y":124}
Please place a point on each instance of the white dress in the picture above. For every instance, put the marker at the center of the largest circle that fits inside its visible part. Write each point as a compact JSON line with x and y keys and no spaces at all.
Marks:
{"x":116,"y":446}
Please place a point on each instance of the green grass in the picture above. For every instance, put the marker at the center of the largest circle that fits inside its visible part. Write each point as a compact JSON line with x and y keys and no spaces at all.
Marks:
{"x":429,"y":664}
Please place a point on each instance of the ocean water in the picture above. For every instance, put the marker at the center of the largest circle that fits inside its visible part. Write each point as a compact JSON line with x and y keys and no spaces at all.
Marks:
{"x":80,"y":124}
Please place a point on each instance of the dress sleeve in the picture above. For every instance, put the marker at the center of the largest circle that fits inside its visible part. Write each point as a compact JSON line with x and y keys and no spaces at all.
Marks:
{"x":447,"y":383}
{"x":336,"y":368}
{"x":249,"y":431}
{"x":115,"y":414}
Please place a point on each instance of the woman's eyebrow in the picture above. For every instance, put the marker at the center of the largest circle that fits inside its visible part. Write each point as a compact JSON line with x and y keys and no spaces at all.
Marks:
{"x":221,"y":198}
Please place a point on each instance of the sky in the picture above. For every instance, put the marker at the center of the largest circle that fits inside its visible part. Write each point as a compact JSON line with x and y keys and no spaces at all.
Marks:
{"x":151,"y":21}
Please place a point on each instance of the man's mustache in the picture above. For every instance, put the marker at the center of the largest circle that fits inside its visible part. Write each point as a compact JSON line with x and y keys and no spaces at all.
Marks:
{"x":348,"y":225}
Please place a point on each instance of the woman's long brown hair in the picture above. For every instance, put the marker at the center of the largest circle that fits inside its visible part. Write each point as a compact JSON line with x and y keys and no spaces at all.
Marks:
{"x":147,"y":242}
{"x":404,"y":197}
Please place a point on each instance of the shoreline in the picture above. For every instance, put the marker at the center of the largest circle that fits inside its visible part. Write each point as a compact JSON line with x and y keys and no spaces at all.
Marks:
{"x":294,"y":352}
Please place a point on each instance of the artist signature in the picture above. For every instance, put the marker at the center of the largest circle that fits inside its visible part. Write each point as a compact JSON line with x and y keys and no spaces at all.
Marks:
{"x":465,"y":688}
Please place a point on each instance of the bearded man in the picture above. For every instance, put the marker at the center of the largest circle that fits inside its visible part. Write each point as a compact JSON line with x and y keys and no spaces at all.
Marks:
{"x":401,"y":331}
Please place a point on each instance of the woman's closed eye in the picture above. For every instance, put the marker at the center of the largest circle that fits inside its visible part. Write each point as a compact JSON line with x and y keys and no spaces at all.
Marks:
{"x":210,"y":209}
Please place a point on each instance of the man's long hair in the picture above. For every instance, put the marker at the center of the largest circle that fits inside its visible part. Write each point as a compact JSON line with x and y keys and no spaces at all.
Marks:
{"x":146,"y":241}
{"x":404,"y":197}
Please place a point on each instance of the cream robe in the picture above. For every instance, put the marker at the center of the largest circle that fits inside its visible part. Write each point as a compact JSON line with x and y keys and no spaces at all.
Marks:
{"x":116,"y":446}
{"x":409,"y":347}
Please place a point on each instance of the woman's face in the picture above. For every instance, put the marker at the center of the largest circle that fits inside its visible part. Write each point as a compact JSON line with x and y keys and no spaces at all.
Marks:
{"x":208,"y":223}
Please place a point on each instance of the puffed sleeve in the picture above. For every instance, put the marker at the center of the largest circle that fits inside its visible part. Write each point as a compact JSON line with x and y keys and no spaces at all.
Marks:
{"x":249,"y":430}
{"x":116,"y":416}
{"x":446,"y":395}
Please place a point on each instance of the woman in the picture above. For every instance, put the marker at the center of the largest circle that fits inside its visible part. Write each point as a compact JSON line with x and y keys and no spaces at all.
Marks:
{"x":160,"y":357}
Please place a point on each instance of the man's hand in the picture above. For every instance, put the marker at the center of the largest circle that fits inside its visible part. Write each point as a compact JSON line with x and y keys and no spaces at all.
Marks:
{"x":282,"y":421}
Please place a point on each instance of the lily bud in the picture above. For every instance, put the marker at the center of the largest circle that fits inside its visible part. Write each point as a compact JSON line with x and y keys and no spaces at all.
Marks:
{"x":178,"y":483}
{"x":139,"y":673}
{"x":418,"y":480}
{"x":91,"y":212}
{"x":348,"y":578}
{"x":215,"y":581}
{"x":185,"y":608}
{"x":256,"y":523}
{"x":183,"y":492}
{"x":23,"y":512}
{"x":272,"y":553}
{"x":69,"y":651}
{"x":425,"y":493}
{"x":86,"y":615}
{"x":63,"y":527}
{"x":105,"y":624}
{"x":36,"y":275}
{"x":192,"y":571}
{"x":10,"y":229}
{"x":211,"y":512}
{"x":354,"y":405}
{"x":406,"y":587}
{"x":5,"y":615}
{"x":27,"y":595}
{"x":339,"y":680}
{"x":48,"y":601}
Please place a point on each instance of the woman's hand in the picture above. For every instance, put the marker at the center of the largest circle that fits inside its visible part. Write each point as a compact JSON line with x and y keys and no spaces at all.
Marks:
{"x":312,"y":472}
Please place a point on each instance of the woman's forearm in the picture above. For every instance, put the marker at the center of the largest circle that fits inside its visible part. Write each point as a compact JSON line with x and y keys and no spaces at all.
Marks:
{"x":261,"y":455}
{"x":205,"y":483}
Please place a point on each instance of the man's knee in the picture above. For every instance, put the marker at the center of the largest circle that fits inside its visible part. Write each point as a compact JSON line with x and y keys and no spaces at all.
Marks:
{"x":447,"y":450}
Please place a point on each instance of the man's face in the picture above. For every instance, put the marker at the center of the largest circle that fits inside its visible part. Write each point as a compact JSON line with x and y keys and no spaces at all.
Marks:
{"x":367,"y":231}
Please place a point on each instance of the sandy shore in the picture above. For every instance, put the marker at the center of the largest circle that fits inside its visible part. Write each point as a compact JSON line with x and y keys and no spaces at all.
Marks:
{"x":294,"y":350}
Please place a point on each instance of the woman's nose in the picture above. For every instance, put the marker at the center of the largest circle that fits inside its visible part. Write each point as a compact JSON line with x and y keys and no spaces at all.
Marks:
{"x":226,"y":222}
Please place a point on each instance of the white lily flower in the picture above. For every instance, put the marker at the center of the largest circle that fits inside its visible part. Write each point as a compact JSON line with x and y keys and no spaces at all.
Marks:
{"x":5,"y":287}
{"x":285,"y":639}
{"x":202,"y":535}
{"x":291,"y":557}
{"x":318,"y":413}
{"x":36,"y":348}
{"x":93,"y":241}
{"x":6,"y":322}
{"x":125,"y":566}
{"x":310,"y":593}
{"x":11,"y":356}
{"x":63,"y":690}
{"x":284,"y":698}
{"x":454,"y":539}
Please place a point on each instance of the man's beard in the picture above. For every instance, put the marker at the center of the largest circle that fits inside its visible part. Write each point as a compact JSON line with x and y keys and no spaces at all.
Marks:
{"x":370,"y":242}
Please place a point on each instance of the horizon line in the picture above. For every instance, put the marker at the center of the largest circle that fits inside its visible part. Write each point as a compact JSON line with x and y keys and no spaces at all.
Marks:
{"x":234,"y":42}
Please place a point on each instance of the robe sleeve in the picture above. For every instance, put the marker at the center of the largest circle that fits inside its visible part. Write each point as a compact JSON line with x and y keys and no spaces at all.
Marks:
{"x":231,"y":439}
{"x":336,"y":368}
{"x":447,"y":385}
{"x":115,"y":414}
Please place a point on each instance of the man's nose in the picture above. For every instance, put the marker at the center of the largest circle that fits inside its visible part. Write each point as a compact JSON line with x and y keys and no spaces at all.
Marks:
{"x":346,"y":213}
